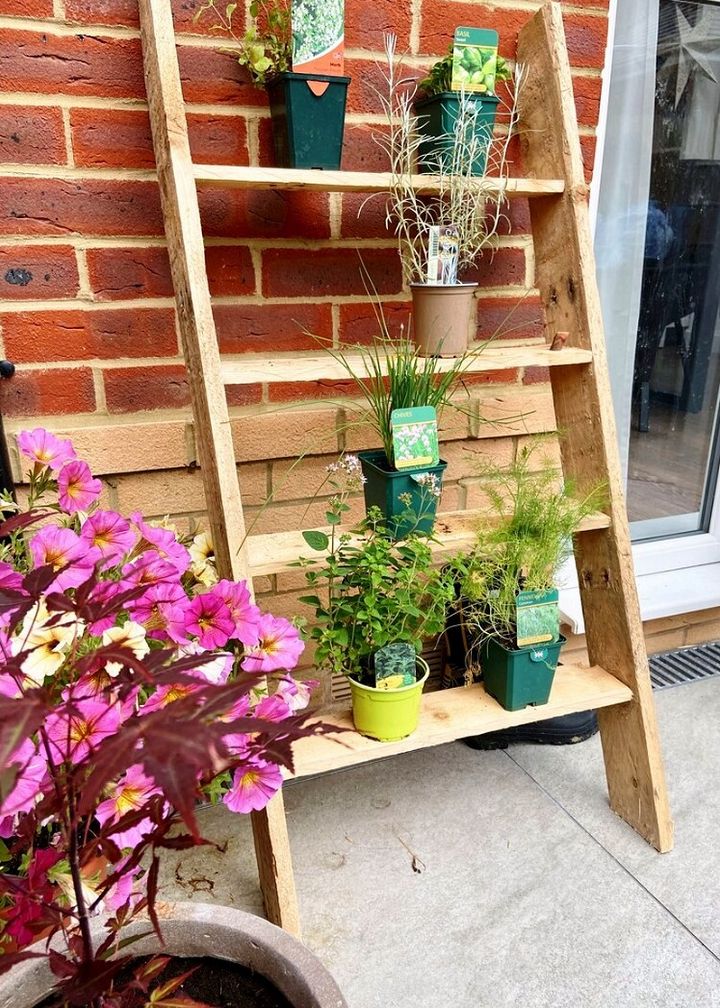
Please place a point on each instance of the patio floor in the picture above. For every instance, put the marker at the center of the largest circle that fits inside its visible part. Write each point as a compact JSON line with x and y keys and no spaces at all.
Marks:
{"x":450,"y":878}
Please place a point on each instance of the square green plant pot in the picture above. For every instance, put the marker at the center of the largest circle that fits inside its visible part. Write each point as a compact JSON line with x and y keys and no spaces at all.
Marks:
{"x":521,"y":677}
{"x":384,"y":487}
{"x":436,"y":118}
{"x":388,"y":715}
{"x":307,"y":128}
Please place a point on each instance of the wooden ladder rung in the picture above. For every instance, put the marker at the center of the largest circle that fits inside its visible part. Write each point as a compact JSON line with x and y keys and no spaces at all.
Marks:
{"x":249,"y":369}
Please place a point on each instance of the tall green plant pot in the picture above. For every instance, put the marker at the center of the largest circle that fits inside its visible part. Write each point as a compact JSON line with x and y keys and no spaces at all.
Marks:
{"x":436,"y":118}
{"x":388,"y":715}
{"x":522,"y":677}
{"x":307,"y":128}
{"x":384,"y":487}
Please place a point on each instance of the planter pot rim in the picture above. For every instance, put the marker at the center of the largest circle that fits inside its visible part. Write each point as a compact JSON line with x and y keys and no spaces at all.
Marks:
{"x":419,"y":660}
{"x":459,"y":286}
{"x":292,"y":75}
{"x":455,"y":96}
{"x":202,"y":930}
{"x":375,"y":455}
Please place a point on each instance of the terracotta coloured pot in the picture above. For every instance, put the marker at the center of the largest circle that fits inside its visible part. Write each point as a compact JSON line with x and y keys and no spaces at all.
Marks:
{"x":441,"y":318}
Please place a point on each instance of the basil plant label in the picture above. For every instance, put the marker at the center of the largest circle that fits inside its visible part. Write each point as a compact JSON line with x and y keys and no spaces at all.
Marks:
{"x":474,"y":60}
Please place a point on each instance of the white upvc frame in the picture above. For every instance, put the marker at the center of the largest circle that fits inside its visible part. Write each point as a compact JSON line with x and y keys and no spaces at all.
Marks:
{"x":676,"y":575}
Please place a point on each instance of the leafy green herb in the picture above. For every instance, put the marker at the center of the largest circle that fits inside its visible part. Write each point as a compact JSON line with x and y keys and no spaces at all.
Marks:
{"x":265,"y":50}
{"x":439,"y":77}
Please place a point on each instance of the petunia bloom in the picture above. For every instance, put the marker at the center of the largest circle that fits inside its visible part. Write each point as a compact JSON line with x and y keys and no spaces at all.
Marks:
{"x":148,"y":569}
{"x":245,"y":614}
{"x":109,"y":533}
{"x":295,"y":692}
{"x":164,"y":541}
{"x":77,"y":488}
{"x":254,"y":784}
{"x":202,"y":556}
{"x":279,"y":646}
{"x":62,"y":548}
{"x":272,"y":708}
{"x":132,"y":791}
{"x":131,"y":636}
{"x":75,"y":730}
{"x":162,"y":611}
{"x":209,"y":619}
{"x":27,"y":787}
{"x":215,"y":671}
{"x":44,"y":448}
{"x":47,"y":639}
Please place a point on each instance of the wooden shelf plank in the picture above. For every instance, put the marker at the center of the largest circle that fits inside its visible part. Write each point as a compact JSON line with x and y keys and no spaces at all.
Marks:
{"x":345,"y":181}
{"x":448,"y":715}
{"x":278,"y":552}
{"x":250,"y":369}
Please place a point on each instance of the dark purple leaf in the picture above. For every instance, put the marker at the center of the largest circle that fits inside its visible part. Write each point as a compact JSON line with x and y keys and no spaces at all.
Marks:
{"x":20,"y":717}
{"x":10,"y":959}
{"x":21,"y":521}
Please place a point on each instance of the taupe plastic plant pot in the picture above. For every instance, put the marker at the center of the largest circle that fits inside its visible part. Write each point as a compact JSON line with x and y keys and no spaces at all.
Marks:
{"x":441,"y":318}
{"x":203,"y":929}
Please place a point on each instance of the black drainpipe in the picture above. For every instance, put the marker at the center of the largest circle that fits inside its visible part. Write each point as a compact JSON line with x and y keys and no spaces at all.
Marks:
{"x":7,"y":370}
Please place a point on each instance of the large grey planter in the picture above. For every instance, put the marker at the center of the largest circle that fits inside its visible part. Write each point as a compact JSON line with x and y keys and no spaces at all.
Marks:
{"x":204,"y":929}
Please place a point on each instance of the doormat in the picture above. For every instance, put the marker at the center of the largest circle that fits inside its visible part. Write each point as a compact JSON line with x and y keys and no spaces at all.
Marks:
{"x":684,"y":665}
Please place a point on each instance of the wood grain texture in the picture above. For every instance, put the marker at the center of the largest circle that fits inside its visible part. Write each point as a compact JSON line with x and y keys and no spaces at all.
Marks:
{"x":181,"y":215}
{"x":565,"y":276}
{"x":456,"y":713}
{"x":306,"y":367}
{"x":342,"y":181}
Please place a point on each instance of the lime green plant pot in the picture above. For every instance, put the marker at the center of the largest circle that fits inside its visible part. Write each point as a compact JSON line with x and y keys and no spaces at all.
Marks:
{"x":388,"y":715}
{"x":521,"y":677}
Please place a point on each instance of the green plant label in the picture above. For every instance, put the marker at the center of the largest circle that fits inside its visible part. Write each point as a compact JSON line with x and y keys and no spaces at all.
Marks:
{"x":415,"y":437}
{"x":537,"y":617}
{"x":395,"y":666}
{"x":318,"y":38}
{"x":474,"y":60}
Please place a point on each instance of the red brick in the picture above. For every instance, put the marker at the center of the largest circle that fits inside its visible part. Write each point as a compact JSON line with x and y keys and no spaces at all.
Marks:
{"x":131,"y":390}
{"x":588,"y":145}
{"x":366,"y":23}
{"x":328,"y":272}
{"x":79,"y":335}
{"x":243,"y":395}
{"x":31,"y":272}
{"x":267,"y":327}
{"x":439,"y":20}
{"x":60,"y":390}
{"x":506,"y":267}
{"x":360,"y":151}
{"x":70,"y":64}
{"x":294,"y":391}
{"x":506,"y":377}
{"x":586,"y":38}
{"x":587,"y":99}
{"x":120,"y":273}
{"x":27,"y":8}
{"x":122,"y":138}
{"x":509,"y":318}
{"x":368,"y":83}
{"x":264,"y":213}
{"x":53,"y":207}
{"x":125,"y":12}
{"x":359,"y":323}
{"x":31,"y":135}
{"x":211,"y":76}
{"x":363,"y":216}
{"x":536,"y":375}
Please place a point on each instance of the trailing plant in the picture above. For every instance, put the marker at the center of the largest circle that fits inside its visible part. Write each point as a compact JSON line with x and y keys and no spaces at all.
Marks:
{"x":370,"y":591}
{"x":130,"y":689}
{"x":473,"y":205}
{"x":265,"y":49}
{"x":439,"y":78}
{"x":523,"y":546}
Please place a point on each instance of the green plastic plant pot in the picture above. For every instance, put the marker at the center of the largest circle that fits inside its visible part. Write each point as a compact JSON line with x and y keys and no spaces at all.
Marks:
{"x":436,"y":123}
{"x":522,"y":677}
{"x":384,"y":488}
{"x":307,"y":128}
{"x":388,"y":715}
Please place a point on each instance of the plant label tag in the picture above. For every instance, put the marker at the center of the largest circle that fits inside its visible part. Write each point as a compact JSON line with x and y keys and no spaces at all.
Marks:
{"x":474,"y":60}
{"x":537,"y":617}
{"x":395,"y":666}
{"x":415,"y":437}
{"x":318,"y":39}
{"x":443,"y":248}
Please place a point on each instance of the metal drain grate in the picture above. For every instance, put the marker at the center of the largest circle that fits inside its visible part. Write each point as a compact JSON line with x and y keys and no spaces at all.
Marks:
{"x":685,"y":665}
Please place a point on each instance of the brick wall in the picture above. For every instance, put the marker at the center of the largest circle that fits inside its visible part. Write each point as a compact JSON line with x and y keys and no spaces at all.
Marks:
{"x":86,"y":308}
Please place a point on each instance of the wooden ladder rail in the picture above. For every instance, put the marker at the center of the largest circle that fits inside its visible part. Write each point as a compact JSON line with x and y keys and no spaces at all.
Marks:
{"x":565,"y":276}
{"x":213,"y":434}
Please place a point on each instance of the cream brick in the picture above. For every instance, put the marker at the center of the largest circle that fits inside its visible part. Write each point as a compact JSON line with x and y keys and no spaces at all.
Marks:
{"x":466,"y":458}
{"x":518,"y":412}
{"x":293,"y":479}
{"x":304,"y":515}
{"x":285,"y":434}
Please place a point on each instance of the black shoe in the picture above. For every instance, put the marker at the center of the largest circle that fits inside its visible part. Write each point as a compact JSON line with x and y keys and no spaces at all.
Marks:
{"x":565,"y":730}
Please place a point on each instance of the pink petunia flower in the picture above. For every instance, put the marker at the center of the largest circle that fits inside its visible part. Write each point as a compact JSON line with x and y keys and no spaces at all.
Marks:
{"x":77,"y":488}
{"x":295,"y":692}
{"x":132,"y":791}
{"x":123,"y":892}
{"x":110,"y":533}
{"x":216,"y":671}
{"x":149,"y":569}
{"x":162,"y":610}
{"x":27,"y":787}
{"x":43,"y":447}
{"x":61,"y":547}
{"x":279,"y":646}
{"x":209,"y":619}
{"x":73,"y":732}
{"x":253,"y":786}
{"x":165,"y":695}
{"x":245,"y":614}
{"x":272,"y":708}
{"x":165,"y":542}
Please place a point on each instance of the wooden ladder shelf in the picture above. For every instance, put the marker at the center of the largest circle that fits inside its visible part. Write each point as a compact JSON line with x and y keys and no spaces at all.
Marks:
{"x":617,"y":683}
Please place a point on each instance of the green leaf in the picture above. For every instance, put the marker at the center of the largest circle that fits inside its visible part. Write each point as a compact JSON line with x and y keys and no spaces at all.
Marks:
{"x":312,"y":600}
{"x":316,"y":540}
{"x":230,"y":10}
{"x":332,"y":518}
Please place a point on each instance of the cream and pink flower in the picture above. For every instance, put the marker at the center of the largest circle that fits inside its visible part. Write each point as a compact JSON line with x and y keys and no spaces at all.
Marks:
{"x":253,"y":786}
{"x":47,"y":639}
{"x":77,"y":488}
{"x":63,"y":548}
{"x":132,"y":791}
{"x":108,"y":532}
{"x":78,"y":727}
{"x":129,"y":635}
{"x":215,"y":671}
{"x":295,"y":692}
{"x":44,"y":448}
{"x":279,"y":646}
